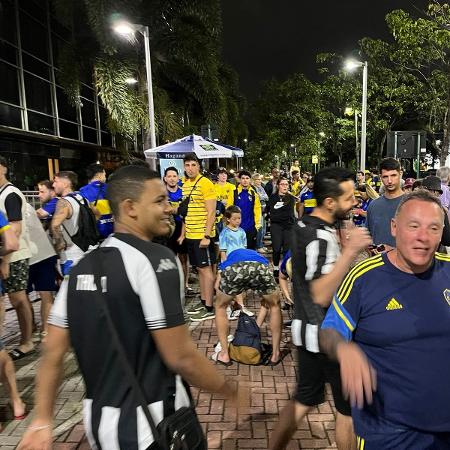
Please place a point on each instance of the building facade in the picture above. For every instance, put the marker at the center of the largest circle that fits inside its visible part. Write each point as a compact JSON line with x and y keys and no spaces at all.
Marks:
{"x":41,"y":132}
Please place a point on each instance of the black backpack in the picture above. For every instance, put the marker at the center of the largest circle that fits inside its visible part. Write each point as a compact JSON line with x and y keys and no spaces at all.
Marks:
{"x":87,"y":233}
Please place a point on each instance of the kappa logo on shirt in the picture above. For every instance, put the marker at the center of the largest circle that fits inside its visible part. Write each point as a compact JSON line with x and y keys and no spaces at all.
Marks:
{"x":86,"y":283}
{"x":393,"y":305}
{"x":166,"y":264}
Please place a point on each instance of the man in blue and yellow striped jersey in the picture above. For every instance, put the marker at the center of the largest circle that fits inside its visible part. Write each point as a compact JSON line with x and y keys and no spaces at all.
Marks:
{"x":95,"y":193}
{"x":389,"y":328}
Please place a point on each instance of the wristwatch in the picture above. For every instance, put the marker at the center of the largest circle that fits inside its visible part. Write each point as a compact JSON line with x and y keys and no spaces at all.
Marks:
{"x":207,"y":237}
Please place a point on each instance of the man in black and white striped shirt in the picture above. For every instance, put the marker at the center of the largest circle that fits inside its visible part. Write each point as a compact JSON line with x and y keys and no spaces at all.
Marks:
{"x":318,"y":268}
{"x":144,"y":290}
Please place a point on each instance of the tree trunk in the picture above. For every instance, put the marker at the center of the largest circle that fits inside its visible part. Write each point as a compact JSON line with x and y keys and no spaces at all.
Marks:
{"x":383,"y":140}
{"x":446,"y":140}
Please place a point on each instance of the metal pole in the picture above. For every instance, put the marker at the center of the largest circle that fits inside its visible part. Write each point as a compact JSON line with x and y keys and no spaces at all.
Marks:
{"x":364,"y":118}
{"x":151,"y":106}
{"x":418,"y":156}
{"x":356,"y":138}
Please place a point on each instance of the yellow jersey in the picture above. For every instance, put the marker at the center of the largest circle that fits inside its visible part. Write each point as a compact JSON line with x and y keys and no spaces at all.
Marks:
{"x":196,"y":217}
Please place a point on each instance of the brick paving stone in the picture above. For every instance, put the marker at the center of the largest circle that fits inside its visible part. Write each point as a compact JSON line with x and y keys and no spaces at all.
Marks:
{"x":270,"y":389}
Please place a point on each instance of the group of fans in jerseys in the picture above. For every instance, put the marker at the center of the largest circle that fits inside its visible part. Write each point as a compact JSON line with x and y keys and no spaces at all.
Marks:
{"x":362,"y":257}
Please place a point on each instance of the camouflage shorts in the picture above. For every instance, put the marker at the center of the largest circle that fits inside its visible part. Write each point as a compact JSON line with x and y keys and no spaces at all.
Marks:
{"x":245,"y":275}
{"x":18,"y":277}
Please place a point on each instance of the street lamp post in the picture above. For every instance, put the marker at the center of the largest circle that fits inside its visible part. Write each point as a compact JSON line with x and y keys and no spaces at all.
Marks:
{"x":128,"y":30}
{"x":350,"y":66}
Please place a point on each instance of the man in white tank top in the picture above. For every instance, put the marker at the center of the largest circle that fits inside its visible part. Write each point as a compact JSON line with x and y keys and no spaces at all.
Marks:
{"x":65,"y":220}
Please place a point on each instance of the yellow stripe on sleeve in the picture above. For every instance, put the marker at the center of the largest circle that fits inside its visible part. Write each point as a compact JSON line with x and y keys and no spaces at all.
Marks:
{"x":356,"y":269}
{"x":342,"y":315}
{"x":357,"y":275}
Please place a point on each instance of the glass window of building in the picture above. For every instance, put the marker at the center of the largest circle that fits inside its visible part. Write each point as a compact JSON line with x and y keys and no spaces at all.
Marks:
{"x":88,"y":113}
{"x":10,"y":116}
{"x":38,"y":94}
{"x":65,"y":109}
{"x":8,"y":52}
{"x":34,"y":40}
{"x":9,"y":85}
{"x":68,"y":129}
{"x":36,"y":9}
{"x":89,"y":135}
{"x":33,"y":65}
{"x":7,"y":21}
{"x":41,"y":123}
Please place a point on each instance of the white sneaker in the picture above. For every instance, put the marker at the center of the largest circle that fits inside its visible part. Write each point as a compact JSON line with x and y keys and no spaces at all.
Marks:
{"x":247,"y":311}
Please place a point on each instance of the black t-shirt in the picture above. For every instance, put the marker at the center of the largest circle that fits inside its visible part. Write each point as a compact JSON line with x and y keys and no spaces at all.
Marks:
{"x":281,"y":209}
{"x":144,"y":292}
{"x":13,"y":207}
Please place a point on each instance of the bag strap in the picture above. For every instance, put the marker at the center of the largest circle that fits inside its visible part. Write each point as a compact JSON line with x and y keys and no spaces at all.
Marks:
{"x":74,"y":196}
{"x":193,"y":187}
{"x":103,"y":297}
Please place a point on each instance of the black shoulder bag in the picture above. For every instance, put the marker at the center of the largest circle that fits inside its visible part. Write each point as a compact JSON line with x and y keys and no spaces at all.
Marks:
{"x":179,"y":431}
{"x":184,"y":204}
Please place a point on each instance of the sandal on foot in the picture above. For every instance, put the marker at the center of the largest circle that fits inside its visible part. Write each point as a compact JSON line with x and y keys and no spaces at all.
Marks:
{"x":17,"y":354}
{"x":215,"y":357}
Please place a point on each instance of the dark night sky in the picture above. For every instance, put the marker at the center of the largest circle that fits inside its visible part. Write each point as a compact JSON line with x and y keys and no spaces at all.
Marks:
{"x":273,"y":38}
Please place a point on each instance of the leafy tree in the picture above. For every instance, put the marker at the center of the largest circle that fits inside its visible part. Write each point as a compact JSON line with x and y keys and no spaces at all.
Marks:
{"x":191,"y":84}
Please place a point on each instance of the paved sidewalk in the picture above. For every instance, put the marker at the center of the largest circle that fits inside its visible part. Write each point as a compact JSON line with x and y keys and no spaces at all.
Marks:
{"x":269,"y":388}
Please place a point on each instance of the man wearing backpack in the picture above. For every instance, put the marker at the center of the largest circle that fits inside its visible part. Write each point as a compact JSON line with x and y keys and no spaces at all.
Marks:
{"x":73,"y":225}
{"x":246,"y":198}
{"x":95,"y":193}
{"x":14,"y":270}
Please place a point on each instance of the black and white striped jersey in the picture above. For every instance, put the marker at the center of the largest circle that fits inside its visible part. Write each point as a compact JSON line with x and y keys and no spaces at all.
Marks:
{"x":145,"y":291}
{"x":314,"y":251}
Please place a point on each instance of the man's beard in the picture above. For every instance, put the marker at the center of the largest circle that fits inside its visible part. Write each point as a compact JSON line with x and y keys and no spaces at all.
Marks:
{"x":341,"y":214}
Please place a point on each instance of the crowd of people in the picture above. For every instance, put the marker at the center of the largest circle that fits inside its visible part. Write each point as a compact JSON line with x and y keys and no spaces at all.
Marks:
{"x":362,"y":257}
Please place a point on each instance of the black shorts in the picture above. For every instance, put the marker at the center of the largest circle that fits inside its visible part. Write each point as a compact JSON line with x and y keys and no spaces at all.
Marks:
{"x":172,"y":241}
{"x":42,"y":276}
{"x":201,"y":257}
{"x":314,"y":370}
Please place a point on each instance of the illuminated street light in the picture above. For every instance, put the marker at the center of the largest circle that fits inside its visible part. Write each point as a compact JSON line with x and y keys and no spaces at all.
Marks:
{"x":128,"y":31}
{"x":351,"y":65}
{"x":125,"y":29}
{"x":131,"y":80}
{"x":322,"y":134}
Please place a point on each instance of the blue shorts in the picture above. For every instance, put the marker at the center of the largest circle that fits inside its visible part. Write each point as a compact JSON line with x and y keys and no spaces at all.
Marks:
{"x":404,"y":439}
{"x":42,"y":276}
